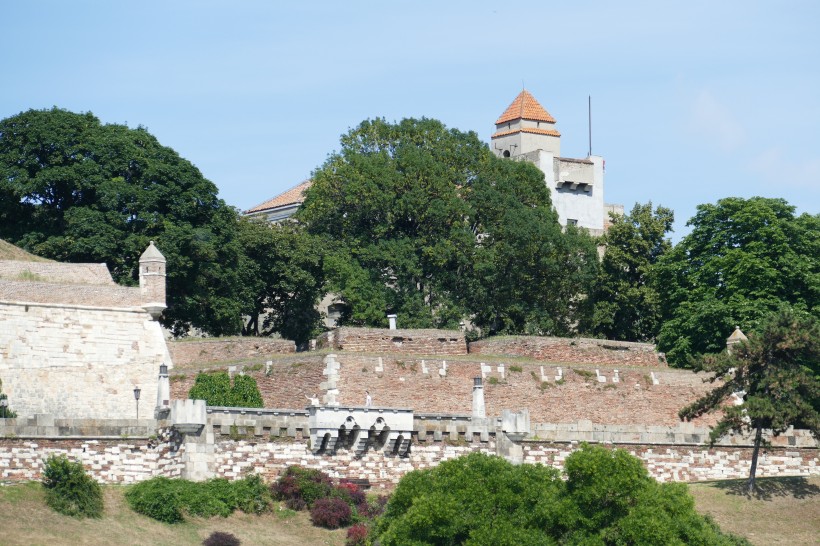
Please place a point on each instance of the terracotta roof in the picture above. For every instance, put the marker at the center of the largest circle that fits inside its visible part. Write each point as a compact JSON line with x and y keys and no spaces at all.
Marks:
{"x":550,"y":132}
{"x":292,"y":196}
{"x":525,"y":107}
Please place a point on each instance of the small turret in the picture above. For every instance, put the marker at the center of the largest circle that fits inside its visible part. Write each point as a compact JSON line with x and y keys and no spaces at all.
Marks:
{"x":152,"y":281}
{"x":737,"y":337}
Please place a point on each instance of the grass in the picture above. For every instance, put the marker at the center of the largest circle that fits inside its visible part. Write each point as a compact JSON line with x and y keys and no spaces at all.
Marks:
{"x":783,"y":511}
{"x":27,"y":521}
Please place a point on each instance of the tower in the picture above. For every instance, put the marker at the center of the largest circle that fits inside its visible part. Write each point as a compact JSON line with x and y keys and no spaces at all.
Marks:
{"x":526,"y":132}
{"x":152,"y":281}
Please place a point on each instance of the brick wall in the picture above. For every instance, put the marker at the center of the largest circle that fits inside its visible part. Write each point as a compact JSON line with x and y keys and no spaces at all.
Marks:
{"x":575,"y":350}
{"x":114,"y":461}
{"x":290,"y":380}
{"x":214,"y":350}
{"x":421,"y":342}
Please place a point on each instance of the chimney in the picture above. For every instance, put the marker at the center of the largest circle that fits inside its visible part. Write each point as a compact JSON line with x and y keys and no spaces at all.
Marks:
{"x":479,"y":410}
{"x":152,"y":281}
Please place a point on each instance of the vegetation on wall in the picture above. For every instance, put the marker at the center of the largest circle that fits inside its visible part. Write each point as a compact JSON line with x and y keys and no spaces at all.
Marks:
{"x":5,"y":411}
{"x":216,"y":389}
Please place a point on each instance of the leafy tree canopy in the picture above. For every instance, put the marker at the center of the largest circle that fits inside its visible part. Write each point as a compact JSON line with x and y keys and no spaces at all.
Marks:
{"x":282,"y":279}
{"x":625,"y":303}
{"x":427,"y":223}
{"x":742,"y":260}
{"x":777,"y":372}
{"x":607,"y":498}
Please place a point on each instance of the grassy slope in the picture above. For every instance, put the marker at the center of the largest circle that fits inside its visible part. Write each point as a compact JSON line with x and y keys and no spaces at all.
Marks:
{"x":785,"y":512}
{"x":27,"y":521}
{"x":10,"y":252}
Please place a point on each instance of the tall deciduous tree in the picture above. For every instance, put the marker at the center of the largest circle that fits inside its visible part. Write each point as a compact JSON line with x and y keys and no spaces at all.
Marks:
{"x":282,"y":279}
{"x":76,"y":190}
{"x":427,"y":223}
{"x":778,"y":372}
{"x":625,"y":304}
{"x":742,"y":260}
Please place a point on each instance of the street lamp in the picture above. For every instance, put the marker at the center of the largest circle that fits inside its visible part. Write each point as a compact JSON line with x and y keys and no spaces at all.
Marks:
{"x":137,"y":398}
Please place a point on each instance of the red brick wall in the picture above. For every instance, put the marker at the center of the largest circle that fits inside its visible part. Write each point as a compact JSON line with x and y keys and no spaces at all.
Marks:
{"x":420,"y":342}
{"x":575,"y":350}
{"x":214,"y":350}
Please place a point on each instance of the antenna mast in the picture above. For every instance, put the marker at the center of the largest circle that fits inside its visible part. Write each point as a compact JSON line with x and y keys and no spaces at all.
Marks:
{"x":589,"y":111}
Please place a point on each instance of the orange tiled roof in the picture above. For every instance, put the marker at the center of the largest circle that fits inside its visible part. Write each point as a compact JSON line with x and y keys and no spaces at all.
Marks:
{"x":525,"y":107}
{"x":290,"y":197}
{"x":550,"y":132}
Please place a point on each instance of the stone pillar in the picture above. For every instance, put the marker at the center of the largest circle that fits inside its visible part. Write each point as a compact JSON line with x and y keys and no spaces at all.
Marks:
{"x":152,"y":281}
{"x":479,"y":409}
{"x":163,"y":408}
{"x":391,"y":319}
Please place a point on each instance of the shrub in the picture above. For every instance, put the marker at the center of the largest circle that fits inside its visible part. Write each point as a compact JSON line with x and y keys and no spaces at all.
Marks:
{"x":302,"y":484}
{"x":331,"y":513}
{"x":166,"y":500}
{"x":219,"y":538}
{"x":157,"y":498}
{"x":69,"y":490}
{"x":216,"y":389}
{"x":350,"y":493}
{"x":357,"y":535}
{"x":373,"y":508}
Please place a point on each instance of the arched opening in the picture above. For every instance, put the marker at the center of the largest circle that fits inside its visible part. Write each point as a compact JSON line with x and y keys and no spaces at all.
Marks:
{"x":506,"y":153}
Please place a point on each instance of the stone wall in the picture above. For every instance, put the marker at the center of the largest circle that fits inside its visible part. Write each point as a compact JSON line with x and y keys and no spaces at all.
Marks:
{"x":574,"y":350}
{"x":111,"y":461}
{"x":420,"y":342}
{"x":79,"y":362}
{"x":213,"y":350}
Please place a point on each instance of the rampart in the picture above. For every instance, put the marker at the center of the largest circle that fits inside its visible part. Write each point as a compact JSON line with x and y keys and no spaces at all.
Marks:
{"x":574,"y":350}
{"x":421,"y":342}
{"x":204,"y":351}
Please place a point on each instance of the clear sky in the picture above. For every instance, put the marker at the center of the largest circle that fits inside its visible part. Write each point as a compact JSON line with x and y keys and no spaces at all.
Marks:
{"x":691,"y":101}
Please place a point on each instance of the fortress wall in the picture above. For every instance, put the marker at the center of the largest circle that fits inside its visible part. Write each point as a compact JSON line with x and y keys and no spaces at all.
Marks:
{"x":112,"y":461}
{"x":79,"y":362}
{"x":575,"y":350}
{"x":421,"y":342}
{"x":212,"y":350}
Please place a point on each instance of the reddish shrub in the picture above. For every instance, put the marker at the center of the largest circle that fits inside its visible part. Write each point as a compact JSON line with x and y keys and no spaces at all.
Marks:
{"x":303,"y":484}
{"x":357,"y":535}
{"x":372,"y":509}
{"x":350,"y":493}
{"x":331,"y":513}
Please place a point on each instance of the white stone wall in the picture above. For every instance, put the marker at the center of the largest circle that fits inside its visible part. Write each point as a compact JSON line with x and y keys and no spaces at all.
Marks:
{"x":79,"y":362}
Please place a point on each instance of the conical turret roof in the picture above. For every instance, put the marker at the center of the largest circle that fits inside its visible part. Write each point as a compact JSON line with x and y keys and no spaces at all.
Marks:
{"x":525,"y":107}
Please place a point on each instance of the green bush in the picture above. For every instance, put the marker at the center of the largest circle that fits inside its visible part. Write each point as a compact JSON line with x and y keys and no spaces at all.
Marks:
{"x":166,"y":500}
{"x":157,"y":498}
{"x":301,"y":487}
{"x":69,"y":490}
{"x":216,"y":389}
{"x":607,"y":498}
{"x":5,"y":411}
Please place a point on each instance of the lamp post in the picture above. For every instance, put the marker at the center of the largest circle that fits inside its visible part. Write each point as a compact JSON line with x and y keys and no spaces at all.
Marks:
{"x":137,"y":398}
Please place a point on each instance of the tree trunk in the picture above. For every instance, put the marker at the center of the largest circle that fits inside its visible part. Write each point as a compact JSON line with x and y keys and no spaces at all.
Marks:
{"x":755,"y":451}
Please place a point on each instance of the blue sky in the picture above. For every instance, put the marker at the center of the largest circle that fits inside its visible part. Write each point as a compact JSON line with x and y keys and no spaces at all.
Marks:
{"x":691,"y":101}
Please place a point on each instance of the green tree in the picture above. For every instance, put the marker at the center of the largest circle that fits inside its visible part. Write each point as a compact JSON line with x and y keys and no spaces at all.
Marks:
{"x":282,"y":279}
{"x":741,"y":261}
{"x":778,"y":372}
{"x":427,"y":223}
{"x":625,"y":303}
{"x":75,"y":190}
{"x":607,"y":498}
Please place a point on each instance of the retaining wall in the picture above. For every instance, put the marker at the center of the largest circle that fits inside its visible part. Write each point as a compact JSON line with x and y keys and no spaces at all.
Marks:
{"x":213,"y":350}
{"x":574,"y":350}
